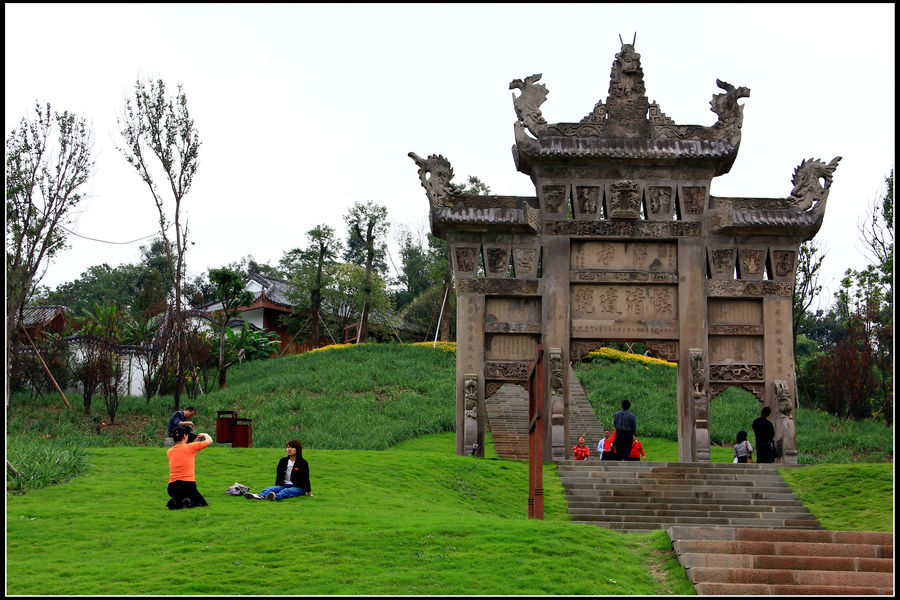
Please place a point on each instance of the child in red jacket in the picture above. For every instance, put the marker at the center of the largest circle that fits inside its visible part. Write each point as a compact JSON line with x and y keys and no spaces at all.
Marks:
{"x":579,"y":450}
{"x":637,"y":451}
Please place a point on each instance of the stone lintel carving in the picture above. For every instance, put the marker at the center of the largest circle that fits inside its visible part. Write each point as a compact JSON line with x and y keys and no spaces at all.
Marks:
{"x":736,"y":372}
{"x":508,"y":287}
{"x":588,"y":201}
{"x":660,"y":202}
{"x":734,"y":329}
{"x":466,"y":259}
{"x":525,"y":260}
{"x":491,"y":387}
{"x":496,"y":259}
{"x":603,"y":276}
{"x":754,"y":289}
{"x":528,"y":104}
{"x":471,"y":395}
{"x":507,"y":370}
{"x":554,"y":199}
{"x":512,"y":327}
{"x":693,"y":200}
{"x":638,"y":229}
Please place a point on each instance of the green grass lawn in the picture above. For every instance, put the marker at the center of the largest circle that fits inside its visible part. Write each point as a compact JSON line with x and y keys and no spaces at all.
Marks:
{"x":395,"y":510}
{"x":415,"y":519}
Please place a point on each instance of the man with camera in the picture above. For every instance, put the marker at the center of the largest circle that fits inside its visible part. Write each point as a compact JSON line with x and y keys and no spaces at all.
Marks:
{"x":182,"y":418}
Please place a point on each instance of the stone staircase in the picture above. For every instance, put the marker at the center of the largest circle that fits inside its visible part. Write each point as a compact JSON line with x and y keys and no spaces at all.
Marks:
{"x":642,"y":496}
{"x":791,"y":562}
{"x":507,"y":419}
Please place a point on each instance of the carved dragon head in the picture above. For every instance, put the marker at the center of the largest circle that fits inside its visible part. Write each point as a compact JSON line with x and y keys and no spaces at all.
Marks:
{"x":435,"y":173}
{"x":812,"y":180}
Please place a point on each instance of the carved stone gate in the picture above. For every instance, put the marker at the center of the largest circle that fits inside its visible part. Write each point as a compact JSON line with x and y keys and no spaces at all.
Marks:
{"x":623,"y":242}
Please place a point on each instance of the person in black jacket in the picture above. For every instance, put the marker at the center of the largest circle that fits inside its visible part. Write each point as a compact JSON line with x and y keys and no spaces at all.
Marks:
{"x":291,"y":476}
{"x":765,"y":437}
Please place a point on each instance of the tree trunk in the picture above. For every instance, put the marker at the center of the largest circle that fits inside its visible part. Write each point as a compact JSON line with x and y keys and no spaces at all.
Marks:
{"x":367,"y":286}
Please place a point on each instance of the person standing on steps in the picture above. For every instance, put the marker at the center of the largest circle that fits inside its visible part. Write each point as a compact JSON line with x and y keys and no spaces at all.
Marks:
{"x":580,"y":451}
{"x":764,"y":431}
{"x":743,"y":451}
{"x":637,"y":451}
{"x":604,"y":446}
{"x":626,"y":426}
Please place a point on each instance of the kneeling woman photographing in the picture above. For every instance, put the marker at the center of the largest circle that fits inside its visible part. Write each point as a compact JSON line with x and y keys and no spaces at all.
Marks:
{"x":182,"y":484}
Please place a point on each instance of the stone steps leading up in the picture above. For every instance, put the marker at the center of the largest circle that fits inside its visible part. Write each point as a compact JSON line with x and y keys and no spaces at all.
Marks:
{"x":778,"y":561}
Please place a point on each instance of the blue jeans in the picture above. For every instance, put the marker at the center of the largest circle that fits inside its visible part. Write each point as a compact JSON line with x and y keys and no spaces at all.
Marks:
{"x":282,"y":492}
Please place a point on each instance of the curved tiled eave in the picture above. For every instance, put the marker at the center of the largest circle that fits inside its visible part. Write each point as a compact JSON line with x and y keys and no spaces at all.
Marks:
{"x":627,"y":148}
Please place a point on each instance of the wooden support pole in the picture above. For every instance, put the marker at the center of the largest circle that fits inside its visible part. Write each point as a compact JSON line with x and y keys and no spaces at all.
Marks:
{"x":49,"y":374}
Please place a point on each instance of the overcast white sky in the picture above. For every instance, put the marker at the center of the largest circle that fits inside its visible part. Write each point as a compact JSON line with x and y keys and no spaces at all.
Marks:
{"x":304,"y":109}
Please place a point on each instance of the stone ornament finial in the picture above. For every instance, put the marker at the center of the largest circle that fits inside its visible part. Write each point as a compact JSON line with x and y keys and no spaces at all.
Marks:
{"x":528,"y":103}
{"x":808,"y":193}
{"x":435,"y":173}
{"x":730,"y":113}
{"x":783,"y":398}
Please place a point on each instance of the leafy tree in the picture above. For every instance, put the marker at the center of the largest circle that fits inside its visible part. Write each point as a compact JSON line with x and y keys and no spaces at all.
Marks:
{"x":367,"y":224}
{"x":806,"y":289}
{"x":99,"y":283}
{"x":106,"y":325}
{"x":158,"y":135}
{"x":231,"y":294}
{"x":43,"y":182}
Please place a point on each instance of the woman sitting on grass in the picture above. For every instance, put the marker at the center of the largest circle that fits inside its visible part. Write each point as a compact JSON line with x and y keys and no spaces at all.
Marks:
{"x":291,"y":476}
{"x":182,"y":484}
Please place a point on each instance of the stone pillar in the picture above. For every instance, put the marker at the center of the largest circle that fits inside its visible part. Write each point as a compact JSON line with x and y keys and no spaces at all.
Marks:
{"x":779,"y":361}
{"x":469,"y":367}
{"x":555,"y":316}
{"x":692,"y":327}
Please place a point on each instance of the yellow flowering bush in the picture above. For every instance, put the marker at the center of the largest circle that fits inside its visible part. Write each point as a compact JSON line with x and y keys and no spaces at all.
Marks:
{"x":332,"y":347}
{"x":611,"y":354}
{"x":445,"y":346}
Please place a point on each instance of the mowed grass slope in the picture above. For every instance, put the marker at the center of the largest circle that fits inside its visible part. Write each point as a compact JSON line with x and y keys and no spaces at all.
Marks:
{"x":415,"y":519}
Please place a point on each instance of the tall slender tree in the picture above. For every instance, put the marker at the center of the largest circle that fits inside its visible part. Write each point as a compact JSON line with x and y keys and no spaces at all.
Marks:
{"x":162,"y":144}
{"x":367,"y":225}
{"x":232,"y":294}
{"x":44,"y":176}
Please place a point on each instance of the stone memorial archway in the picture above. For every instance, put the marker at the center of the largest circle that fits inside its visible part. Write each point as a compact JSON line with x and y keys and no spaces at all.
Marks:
{"x":623,"y":242}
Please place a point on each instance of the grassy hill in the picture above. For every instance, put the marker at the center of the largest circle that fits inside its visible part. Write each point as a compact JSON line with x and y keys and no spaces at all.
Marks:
{"x":395,"y":510}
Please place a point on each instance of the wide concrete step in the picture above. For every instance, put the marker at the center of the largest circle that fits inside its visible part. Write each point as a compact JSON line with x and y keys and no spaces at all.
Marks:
{"x":761,"y":589}
{"x":666,"y":522}
{"x":575,"y":474}
{"x":688,"y":512}
{"x":771,"y":561}
{"x":698,"y":503}
{"x":783,"y":548}
{"x":791,"y":577}
{"x":880,"y":538}
{"x":696,"y":490}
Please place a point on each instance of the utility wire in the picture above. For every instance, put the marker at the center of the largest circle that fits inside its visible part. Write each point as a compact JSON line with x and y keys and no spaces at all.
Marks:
{"x":108,"y":242}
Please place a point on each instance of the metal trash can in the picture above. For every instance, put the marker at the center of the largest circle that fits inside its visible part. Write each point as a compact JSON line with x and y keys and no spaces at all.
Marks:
{"x":243,"y":433}
{"x":225,"y":426}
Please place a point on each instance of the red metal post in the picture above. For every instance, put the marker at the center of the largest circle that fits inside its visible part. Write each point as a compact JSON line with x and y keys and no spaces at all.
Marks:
{"x":536,"y":438}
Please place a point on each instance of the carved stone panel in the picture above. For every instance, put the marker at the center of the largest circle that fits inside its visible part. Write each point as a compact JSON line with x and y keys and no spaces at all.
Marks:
{"x":738,"y":372}
{"x":554,"y":200}
{"x":502,"y":346}
{"x":693,"y":200}
{"x":742,"y":349}
{"x":525,"y":260}
{"x":721,"y":262}
{"x":753,"y":289}
{"x":642,"y":229}
{"x":623,"y":200}
{"x":751,"y":263}
{"x":512,"y":315}
{"x":505,"y":287}
{"x":578,"y":349}
{"x":734,"y":316}
{"x":496,"y":256}
{"x":624,"y":311}
{"x":465,"y":261}
{"x":782,"y":267}
{"x":506,"y":370}
{"x":660,"y":202}
{"x":588,"y":202}
{"x":624,"y":256}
